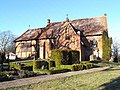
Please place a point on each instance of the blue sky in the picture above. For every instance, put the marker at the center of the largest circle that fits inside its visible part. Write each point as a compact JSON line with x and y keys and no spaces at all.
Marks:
{"x":17,"y":15}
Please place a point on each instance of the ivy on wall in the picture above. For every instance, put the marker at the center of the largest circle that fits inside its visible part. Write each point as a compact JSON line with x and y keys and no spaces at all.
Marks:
{"x":106,"y":46}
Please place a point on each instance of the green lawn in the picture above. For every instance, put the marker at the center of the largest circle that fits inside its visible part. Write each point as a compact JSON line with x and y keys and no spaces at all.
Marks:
{"x":107,"y":80}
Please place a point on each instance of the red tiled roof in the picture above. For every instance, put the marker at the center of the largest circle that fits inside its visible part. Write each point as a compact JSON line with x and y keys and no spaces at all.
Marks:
{"x":88,"y":26}
{"x":30,"y":34}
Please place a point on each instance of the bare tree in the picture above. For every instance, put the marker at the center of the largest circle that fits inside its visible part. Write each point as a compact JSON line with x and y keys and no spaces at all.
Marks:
{"x":6,"y":41}
{"x":116,"y":49}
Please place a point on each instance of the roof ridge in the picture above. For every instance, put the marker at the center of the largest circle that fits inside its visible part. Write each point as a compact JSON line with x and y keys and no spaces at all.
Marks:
{"x":87,"y":18}
{"x":76,"y":19}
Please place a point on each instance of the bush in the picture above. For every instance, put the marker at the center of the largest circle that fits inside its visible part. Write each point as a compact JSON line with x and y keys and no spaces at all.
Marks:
{"x":65,"y":68}
{"x":53,"y":71}
{"x":74,"y":67}
{"x":59,"y":71}
{"x":40,"y":64}
{"x":52,"y":64}
{"x":87,"y":65}
{"x":74,"y":57}
{"x":15,"y":65}
{"x":65,"y":57}
{"x":77,"y":67}
{"x":30,"y":68}
{"x":65,"y":60}
{"x":57,"y":56}
{"x":106,"y":46}
{"x":22,"y":65}
{"x":25,"y":74}
{"x":4,"y":77}
{"x":36,"y":64}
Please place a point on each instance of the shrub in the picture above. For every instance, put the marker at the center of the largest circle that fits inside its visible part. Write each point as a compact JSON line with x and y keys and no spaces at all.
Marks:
{"x":74,"y":57}
{"x":22,"y":65}
{"x":53,"y":71}
{"x":87,"y":65}
{"x":59,"y":71}
{"x":30,"y":68}
{"x":65,"y":57}
{"x":77,"y":67}
{"x":40,"y":64}
{"x":4,"y":77}
{"x":57,"y":56}
{"x":15,"y":65}
{"x":65,"y":60}
{"x":106,"y":46}
{"x":36,"y":64}
{"x":25,"y":74}
{"x":52,"y":64}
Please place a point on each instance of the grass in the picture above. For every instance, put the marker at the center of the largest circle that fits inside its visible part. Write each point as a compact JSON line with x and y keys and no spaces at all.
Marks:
{"x":105,"y":80}
{"x":105,"y":63}
{"x":27,"y":62}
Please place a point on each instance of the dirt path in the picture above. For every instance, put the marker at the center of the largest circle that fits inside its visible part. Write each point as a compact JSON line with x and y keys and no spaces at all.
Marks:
{"x":37,"y":79}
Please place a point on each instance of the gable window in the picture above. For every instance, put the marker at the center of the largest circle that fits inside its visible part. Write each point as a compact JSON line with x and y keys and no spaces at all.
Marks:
{"x":67,"y":33}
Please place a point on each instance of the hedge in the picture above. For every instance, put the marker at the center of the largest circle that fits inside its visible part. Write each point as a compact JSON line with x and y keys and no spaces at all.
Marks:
{"x":57,"y":56}
{"x":15,"y":65}
{"x":65,"y":57}
{"x":22,"y":65}
{"x":74,"y":57}
{"x":87,"y":65}
{"x":64,"y":68}
{"x":52,"y":64}
{"x":60,"y":70}
{"x":77,"y":67}
{"x":4,"y":77}
{"x":40,"y":64}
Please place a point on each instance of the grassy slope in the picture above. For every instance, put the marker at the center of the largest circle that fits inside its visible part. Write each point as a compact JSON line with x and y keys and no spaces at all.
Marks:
{"x":92,"y":81}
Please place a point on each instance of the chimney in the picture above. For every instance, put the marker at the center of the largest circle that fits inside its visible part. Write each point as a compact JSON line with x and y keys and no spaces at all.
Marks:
{"x":105,"y":14}
{"x":48,"y":21}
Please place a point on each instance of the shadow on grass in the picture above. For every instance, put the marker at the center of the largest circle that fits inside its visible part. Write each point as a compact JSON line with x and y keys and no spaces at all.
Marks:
{"x":113,"y":85}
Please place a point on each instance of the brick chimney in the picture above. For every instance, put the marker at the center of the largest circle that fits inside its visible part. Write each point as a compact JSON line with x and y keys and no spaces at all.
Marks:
{"x":48,"y":21}
{"x":105,"y":14}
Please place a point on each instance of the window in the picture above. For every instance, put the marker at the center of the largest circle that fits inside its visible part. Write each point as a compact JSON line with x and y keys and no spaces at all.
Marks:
{"x":26,"y":46}
{"x":67,"y":34}
{"x":93,"y":43}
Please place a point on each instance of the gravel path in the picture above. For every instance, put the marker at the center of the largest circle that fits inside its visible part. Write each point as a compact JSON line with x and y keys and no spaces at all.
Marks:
{"x":37,"y":79}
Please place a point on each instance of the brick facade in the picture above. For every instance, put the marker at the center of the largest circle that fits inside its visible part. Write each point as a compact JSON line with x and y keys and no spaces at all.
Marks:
{"x":83,"y":35}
